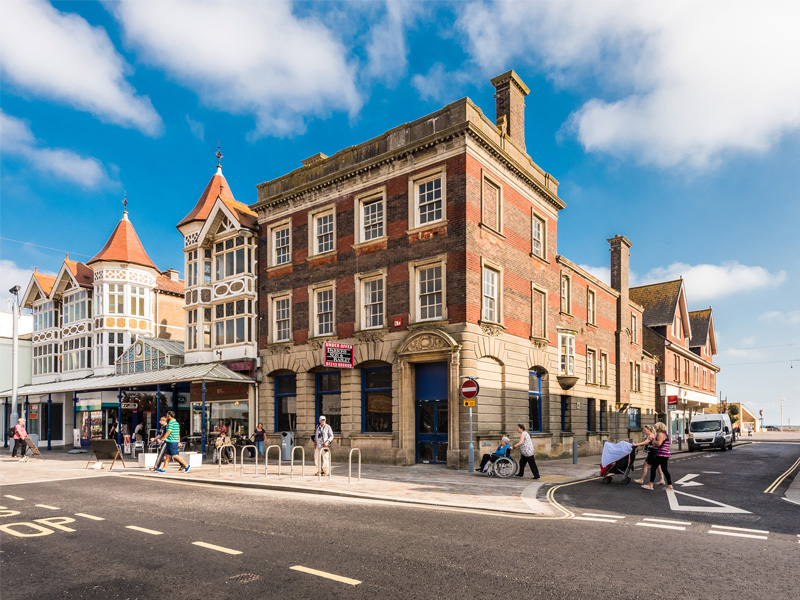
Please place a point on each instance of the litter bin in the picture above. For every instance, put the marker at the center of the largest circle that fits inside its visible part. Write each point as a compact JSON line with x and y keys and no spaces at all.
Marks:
{"x":287,"y":445}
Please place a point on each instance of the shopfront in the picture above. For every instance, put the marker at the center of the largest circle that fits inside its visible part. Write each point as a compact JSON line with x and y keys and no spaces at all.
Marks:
{"x":226,"y":404}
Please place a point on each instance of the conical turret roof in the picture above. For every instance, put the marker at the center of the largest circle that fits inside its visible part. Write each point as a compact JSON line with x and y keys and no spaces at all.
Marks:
{"x":217,"y":187}
{"x":124,"y":246}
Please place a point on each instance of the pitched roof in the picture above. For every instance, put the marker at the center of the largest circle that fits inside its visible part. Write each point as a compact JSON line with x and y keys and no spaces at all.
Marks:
{"x":246,"y":217}
{"x":217,"y":187}
{"x":124,"y":246}
{"x":45,"y":281}
{"x":659,"y":301}
{"x":167,"y":284}
{"x":82,"y":273}
{"x":700,"y":320}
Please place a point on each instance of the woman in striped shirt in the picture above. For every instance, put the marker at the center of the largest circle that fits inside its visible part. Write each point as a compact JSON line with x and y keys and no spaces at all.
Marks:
{"x":661,"y":443}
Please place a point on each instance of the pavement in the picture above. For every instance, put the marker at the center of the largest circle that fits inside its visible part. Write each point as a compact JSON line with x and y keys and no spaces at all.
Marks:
{"x":419,"y":484}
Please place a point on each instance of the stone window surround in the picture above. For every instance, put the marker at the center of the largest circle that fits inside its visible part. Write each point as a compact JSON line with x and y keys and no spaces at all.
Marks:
{"x":565,"y":305}
{"x":535,"y":216}
{"x":538,"y":289}
{"x":271,"y":300}
{"x":591,"y":361}
{"x":330,"y":284}
{"x":495,"y":182}
{"x":413,"y":275}
{"x":358,"y":202}
{"x":603,"y":369}
{"x":312,"y":230}
{"x":271,"y":229}
{"x":360,"y":279}
{"x":568,"y":333}
{"x":413,"y":212}
{"x":493,"y":266}
{"x":591,"y":300}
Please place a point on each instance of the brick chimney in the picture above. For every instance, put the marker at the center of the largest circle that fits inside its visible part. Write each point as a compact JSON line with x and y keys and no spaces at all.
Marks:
{"x":172,"y":274}
{"x":510,"y":96}
{"x":620,"y":260}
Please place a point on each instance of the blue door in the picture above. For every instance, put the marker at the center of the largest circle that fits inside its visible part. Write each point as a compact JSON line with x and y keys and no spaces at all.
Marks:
{"x":431,"y":407}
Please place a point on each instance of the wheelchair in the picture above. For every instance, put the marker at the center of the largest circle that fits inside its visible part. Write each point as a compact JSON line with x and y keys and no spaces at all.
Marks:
{"x":503,"y":467}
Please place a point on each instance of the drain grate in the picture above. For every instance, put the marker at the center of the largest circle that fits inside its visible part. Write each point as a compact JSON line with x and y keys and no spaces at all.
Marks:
{"x":245,"y":578}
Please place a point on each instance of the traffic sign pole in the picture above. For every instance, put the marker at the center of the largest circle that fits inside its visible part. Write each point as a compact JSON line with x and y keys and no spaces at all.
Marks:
{"x":471,"y":447}
{"x":470,"y":389}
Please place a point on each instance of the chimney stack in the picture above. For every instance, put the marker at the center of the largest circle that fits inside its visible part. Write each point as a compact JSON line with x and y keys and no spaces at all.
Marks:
{"x":620,"y":260}
{"x":510,"y":96}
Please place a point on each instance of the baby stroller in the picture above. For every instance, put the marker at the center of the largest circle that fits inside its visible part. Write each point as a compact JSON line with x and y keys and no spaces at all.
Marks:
{"x":617,"y":459}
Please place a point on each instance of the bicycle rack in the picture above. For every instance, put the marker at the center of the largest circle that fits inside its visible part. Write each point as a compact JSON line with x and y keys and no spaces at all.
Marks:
{"x":350,"y":465}
{"x":266,"y":459}
{"x":322,"y":452}
{"x":221,"y":448}
{"x":303,"y":458}
{"x":241,"y":460}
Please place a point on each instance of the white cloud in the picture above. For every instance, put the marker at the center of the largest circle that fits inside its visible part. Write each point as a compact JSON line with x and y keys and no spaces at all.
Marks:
{"x":17,"y":139}
{"x":11,"y":275}
{"x":602,"y":273}
{"x":791,"y":317}
{"x":707,"y":282}
{"x":197,"y":128}
{"x":61,"y":57}
{"x":438,"y":84}
{"x":681,"y":82}
{"x":245,"y":58}
{"x":387,"y":49}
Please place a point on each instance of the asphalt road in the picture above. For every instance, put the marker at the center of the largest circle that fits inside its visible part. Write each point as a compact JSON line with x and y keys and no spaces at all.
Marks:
{"x":384,"y":550}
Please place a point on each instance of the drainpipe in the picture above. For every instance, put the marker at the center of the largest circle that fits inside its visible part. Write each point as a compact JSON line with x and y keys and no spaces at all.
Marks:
{"x":49,"y":420}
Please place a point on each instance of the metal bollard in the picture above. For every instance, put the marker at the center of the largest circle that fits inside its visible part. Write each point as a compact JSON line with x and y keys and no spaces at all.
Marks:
{"x":303,"y":464}
{"x":241,"y":462}
{"x":350,"y":466}
{"x":574,"y":452}
{"x":266,"y":459}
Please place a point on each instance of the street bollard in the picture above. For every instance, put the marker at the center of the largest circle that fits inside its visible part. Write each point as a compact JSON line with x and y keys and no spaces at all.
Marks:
{"x":574,"y":452}
{"x":680,"y":443}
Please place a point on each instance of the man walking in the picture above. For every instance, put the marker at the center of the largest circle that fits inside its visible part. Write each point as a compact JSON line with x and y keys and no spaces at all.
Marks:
{"x":323,"y":437}
{"x":173,"y":436}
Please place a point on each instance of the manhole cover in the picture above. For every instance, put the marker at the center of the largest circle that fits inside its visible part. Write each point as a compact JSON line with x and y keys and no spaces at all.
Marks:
{"x":244,"y":578}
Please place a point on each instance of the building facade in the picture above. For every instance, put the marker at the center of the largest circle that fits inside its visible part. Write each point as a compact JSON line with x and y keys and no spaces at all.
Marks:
{"x":432,"y":251}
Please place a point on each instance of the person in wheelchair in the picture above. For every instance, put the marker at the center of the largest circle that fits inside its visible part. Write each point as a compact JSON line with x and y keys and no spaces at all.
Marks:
{"x":502,"y":450}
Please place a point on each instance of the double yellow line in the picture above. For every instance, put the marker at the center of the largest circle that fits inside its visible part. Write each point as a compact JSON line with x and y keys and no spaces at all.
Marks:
{"x":774,"y":485}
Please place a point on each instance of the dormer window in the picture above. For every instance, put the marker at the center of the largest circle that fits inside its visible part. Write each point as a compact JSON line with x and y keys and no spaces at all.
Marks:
{"x":76,"y":307}
{"x":43,"y":316}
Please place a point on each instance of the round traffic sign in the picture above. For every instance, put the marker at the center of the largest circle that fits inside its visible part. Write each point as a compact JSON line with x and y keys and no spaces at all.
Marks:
{"x":470,"y":388}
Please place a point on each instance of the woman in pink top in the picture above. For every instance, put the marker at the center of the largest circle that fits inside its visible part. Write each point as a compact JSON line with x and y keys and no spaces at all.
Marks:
{"x":19,"y":439}
{"x":661,"y":444}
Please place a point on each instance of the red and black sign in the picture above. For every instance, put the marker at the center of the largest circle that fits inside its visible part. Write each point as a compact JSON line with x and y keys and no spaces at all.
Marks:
{"x":672,"y":400}
{"x":338,"y":355}
{"x":470,"y":389}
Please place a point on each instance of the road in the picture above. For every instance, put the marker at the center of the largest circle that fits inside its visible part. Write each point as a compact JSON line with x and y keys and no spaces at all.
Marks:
{"x":133,"y":538}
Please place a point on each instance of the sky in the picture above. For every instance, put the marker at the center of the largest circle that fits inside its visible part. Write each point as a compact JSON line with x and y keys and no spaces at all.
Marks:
{"x":675,"y":124}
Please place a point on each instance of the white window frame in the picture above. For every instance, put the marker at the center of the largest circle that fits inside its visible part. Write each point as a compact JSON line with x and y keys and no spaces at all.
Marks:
{"x":591,"y":365}
{"x":413,"y":197}
{"x":565,"y":293}
{"x":314,"y":325}
{"x":361,"y":281}
{"x":361,"y":200}
{"x":637,"y":377}
{"x":536,"y":218}
{"x":591,"y":306}
{"x":313,"y":218}
{"x":414,"y":298}
{"x":117,"y":291}
{"x":566,"y":353}
{"x":697,"y":376}
{"x":634,"y":329}
{"x":138,"y":294}
{"x":535,"y":289}
{"x":228,"y":323}
{"x":273,"y":255}
{"x":274,"y":299}
{"x":603,"y":368}
{"x":485,"y":177}
{"x":491,"y":267}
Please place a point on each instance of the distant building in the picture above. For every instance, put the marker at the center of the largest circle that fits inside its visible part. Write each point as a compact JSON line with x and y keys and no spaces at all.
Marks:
{"x":25,"y":352}
{"x":432,"y":251}
{"x":684,"y":344}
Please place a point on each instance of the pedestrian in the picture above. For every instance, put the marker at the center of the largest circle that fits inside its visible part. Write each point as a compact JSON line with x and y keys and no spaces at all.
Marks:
{"x":20,"y":435}
{"x":161,"y":434}
{"x":649,"y":436}
{"x":222,"y":429}
{"x":112,"y":429}
{"x":259,"y":437}
{"x":173,"y":436}
{"x":505,"y":444}
{"x":323,"y":436}
{"x":525,"y":446}
{"x":661,"y":444}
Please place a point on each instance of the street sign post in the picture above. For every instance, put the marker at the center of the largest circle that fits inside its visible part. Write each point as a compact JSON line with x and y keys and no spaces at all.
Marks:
{"x":470,"y":389}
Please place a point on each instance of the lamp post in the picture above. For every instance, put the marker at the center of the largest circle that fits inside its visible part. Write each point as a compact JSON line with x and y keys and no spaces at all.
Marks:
{"x":782,"y":401}
{"x":14,"y":352}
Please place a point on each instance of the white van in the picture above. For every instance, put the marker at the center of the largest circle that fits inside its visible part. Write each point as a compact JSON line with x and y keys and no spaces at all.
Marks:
{"x":710,"y":431}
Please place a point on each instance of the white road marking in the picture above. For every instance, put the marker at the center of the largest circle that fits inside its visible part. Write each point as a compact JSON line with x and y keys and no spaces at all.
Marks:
{"x":744,"y":535}
{"x":792,"y":501}
{"x":713,"y":472}
{"x":718,"y":507}
{"x":659,"y":526}
{"x":217,"y":548}
{"x":338,"y":578}
{"x":92,"y":517}
{"x":668,"y":521}
{"x":739,"y":529}
{"x":606,"y":516}
{"x":685,"y":481}
{"x":595,"y":519}
{"x":143,"y":530}
{"x":13,"y":497}
{"x":48,"y":506}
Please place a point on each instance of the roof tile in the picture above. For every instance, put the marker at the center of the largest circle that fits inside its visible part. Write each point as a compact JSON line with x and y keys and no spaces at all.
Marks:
{"x":659,"y":301}
{"x":124,"y":246}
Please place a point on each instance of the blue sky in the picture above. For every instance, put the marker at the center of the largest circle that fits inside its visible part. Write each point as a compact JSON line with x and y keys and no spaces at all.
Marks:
{"x":682,"y":134}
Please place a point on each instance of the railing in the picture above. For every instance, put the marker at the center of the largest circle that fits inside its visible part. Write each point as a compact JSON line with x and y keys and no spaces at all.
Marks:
{"x":266,"y":459}
{"x":350,"y":465}
{"x":322,"y":452}
{"x":241,"y":462}
{"x":303,"y":459}
{"x":220,"y":449}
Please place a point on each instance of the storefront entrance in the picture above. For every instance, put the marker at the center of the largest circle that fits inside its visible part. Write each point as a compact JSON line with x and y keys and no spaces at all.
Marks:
{"x":431,"y":407}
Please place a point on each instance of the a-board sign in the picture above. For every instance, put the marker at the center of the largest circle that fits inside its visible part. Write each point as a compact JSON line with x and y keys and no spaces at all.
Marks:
{"x":470,"y":389}
{"x":338,"y":355}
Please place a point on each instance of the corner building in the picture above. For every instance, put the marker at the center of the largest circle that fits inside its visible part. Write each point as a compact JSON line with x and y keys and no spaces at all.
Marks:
{"x":432,"y":249}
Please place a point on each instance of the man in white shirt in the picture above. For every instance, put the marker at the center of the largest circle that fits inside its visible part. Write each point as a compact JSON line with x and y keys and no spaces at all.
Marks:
{"x":323,"y":436}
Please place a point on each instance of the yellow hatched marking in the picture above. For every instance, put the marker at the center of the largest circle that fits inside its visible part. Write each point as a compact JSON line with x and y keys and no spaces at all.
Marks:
{"x":217,"y":548}
{"x":332,"y":576}
{"x":774,"y":485}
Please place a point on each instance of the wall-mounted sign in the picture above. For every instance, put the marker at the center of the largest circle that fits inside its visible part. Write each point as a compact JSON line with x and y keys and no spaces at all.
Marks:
{"x":338,"y":355}
{"x":397,"y":322}
{"x":672,"y":400}
{"x":129,"y":406}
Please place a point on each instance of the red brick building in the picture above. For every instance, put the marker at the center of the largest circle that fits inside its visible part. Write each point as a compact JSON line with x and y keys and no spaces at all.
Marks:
{"x":432,"y":250}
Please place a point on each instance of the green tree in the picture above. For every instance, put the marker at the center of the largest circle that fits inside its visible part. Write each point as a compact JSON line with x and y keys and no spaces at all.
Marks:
{"x":733,"y":412}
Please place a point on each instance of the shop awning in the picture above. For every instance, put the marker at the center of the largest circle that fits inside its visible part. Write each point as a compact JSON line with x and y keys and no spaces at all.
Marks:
{"x":187,"y":373}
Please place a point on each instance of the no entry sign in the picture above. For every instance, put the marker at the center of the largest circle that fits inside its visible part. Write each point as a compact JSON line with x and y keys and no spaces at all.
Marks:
{"x":470,"y":388}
